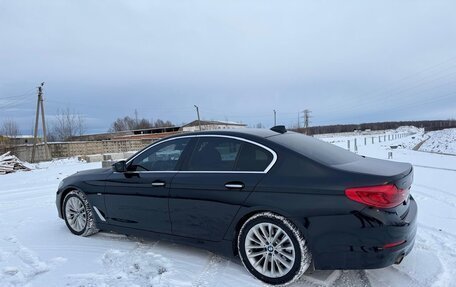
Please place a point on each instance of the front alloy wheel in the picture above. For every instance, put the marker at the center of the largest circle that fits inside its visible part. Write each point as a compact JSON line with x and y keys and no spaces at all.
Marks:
{"x":273,"y":249}
{"x":78,"y":214}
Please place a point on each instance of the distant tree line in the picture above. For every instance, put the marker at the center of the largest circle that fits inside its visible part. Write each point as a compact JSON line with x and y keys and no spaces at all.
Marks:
{"x":10,"y":128}
{"x":128,"y":123}
{"x":427,"y":125}
{"x":61,"y":126}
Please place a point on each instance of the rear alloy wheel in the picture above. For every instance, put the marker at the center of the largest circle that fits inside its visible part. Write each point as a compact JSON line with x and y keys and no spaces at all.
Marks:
{"x":273,"y":249}
{"x":78,"y":214}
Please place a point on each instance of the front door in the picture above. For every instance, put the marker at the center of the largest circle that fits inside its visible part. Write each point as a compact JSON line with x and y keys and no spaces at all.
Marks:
{"x":139,"y":197}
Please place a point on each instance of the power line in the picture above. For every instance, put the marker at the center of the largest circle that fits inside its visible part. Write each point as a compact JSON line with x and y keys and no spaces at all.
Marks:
{"x":393,"y":93}
{"x":27,"y":93}
{"x":429,"y":68}
{"x":13,"y":101}
{"x":384,"y":94}
{"x":13,"y":104}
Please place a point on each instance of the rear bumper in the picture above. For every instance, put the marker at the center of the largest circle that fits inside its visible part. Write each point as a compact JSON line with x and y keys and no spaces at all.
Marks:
{"x":357,"y":240}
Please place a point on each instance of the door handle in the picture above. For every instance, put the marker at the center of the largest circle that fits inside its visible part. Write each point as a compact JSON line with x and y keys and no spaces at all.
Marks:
{"x":234,"y":185}
{"x":158,"y":183}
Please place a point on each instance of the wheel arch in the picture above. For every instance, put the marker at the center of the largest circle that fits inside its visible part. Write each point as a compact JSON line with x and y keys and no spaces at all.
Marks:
{"x":90,"y":225}
{"x":300,"y":246}
{"x":247,"y":214}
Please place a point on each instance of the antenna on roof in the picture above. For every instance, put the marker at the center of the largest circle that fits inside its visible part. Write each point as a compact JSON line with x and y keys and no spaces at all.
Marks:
{"x":279,"y":129}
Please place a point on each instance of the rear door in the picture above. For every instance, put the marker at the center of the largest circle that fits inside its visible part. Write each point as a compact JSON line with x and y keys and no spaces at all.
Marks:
{"x":138,"y":198}
{"x":211,"y":186}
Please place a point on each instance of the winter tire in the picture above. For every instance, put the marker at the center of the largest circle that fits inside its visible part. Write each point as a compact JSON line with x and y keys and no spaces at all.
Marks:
{"x":273,"y":249}
{"x":78,"y":214}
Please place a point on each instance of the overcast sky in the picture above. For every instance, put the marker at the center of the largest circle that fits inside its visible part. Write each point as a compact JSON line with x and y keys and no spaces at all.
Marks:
{"x":347,"y":61}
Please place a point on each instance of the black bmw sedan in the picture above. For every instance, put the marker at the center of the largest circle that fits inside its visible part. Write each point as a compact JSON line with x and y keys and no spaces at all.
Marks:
{"x":281,"y":201}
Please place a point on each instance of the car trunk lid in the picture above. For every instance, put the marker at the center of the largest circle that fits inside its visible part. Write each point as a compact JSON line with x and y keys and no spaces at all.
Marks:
{"x":386,"y":185}
{"x":376,"y":167}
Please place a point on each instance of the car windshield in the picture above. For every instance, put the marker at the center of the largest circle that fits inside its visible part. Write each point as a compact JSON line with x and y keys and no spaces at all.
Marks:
{"x":315,"y":149}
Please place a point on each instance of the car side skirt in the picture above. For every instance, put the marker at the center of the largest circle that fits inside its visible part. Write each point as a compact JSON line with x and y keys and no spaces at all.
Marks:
{"x":223,"y":248}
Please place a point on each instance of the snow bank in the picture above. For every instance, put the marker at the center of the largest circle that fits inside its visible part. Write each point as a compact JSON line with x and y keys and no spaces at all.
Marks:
{"x":410,"y":129}
{"x":443,"y":141}
{"x":19,"y":265}
{"x":138,"y":267}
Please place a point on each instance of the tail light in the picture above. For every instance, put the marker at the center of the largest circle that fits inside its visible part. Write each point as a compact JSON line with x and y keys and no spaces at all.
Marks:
{"x":381,"y":196}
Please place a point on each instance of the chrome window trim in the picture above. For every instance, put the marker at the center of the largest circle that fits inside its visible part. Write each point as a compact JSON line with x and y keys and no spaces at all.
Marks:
{"x":271,"y":164}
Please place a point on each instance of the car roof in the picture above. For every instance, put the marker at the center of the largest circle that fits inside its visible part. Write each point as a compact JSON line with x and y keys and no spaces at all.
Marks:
{"x":310,"y":147}
{"x":261,"y":133}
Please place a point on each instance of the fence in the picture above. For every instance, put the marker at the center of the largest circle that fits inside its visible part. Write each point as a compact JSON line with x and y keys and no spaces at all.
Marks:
{"x":68,"y":149}
{"x":352,"y":143}
{"x":83,"y":148}
{"x":378,"y":139}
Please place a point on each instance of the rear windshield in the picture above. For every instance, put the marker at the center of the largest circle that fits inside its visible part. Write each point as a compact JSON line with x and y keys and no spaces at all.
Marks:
{"x":315,"y":149}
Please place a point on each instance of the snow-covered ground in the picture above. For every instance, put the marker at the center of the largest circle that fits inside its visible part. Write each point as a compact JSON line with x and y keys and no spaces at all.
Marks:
{"x":355,"y":141}
{"x":36,"y":249}
{"x":443,"y":141}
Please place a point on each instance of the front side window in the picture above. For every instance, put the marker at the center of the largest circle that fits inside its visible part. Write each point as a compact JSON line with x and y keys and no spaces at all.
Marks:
{"x":162,"y":157}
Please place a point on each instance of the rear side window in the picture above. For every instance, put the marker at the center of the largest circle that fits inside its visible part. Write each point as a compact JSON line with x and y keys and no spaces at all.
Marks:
{"x":253,"y":158}
{"x":214,"y":154}
{"x":227,"y":154}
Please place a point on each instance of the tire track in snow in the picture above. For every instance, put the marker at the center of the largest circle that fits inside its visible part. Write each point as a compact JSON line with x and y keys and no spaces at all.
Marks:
{"x":417,"y":147}
{"x":20,"y":191}
{"x":408,"y":278}
{"x":352,"y":278}
{"x":337,"y":278}
{"x":138,"y":266}
{"x":441,"y":199}
{"x":24,"y":203}
{"x":208,"y":277}
{"x":434,"y":167}
{"x":318,"y":278}
{"x":19,"y":265}
{"x":431,"y":237}
{"x":99,"y":245}
{"x":435,"y":189}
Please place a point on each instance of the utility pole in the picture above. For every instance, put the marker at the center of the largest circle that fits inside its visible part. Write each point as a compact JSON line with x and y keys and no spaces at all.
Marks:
{"x":275,"y":117}
{"x":40,"y":105}
{"x":136,"y":118}
{"x":299,"y":118}
{"x":198,"y":114}
{"x":307,"y":117}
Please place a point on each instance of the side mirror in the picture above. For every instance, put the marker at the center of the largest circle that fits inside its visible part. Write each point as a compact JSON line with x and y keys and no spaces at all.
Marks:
{"x":120,"y":166}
